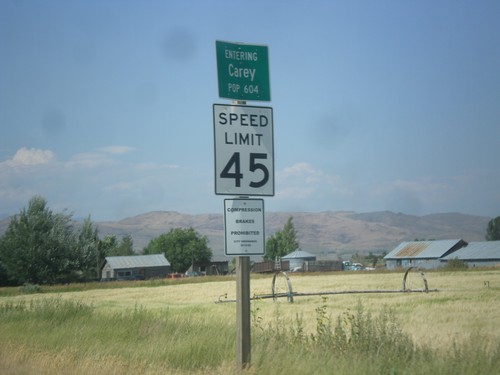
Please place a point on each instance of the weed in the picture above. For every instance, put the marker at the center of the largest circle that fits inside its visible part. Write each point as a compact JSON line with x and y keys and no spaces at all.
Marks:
{"x":456,"y":264}
{"x":324,"y":334}
{"x":255,"y":315}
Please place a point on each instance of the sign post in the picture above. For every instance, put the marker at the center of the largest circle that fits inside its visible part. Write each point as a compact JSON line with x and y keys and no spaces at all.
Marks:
{"x":244,"y":166}
{"x":244,"y":236}
{"x":243,"y":348}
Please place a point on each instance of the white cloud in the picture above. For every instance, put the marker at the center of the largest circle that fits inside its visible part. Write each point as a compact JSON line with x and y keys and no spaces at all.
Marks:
{"x":302,"y":180}
{"x":99,"y":158}
{"x":116,"y":150}
{"x":90,"y":160}
{"x":416,"y":186}
{"x":100,"y":182}
{"x":120,"y":186}
{"x":294,"y":192}
{"x":30,"y":156}
{"x":154,"y":166}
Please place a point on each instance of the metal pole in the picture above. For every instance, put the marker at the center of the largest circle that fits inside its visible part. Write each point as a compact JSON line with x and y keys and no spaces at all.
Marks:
{"x":243,"y":348}
{"x":242,"y":312}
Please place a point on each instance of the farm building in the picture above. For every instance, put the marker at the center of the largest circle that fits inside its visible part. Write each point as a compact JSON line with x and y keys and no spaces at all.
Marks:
{"x":478,"y":254}
{"x":269,"y":266}
{"x":135,"y":267}
{"x":210,"y":268}
{"x":422,"y":254}
{"x":298,"y":258}
{"x":322,"y":265}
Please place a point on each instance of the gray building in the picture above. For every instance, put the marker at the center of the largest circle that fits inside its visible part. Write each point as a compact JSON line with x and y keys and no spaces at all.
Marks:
{"x":478,"y":254}
{"x":298,"y":258}
{"x":422,"y":254}
{"x":135,"y":267}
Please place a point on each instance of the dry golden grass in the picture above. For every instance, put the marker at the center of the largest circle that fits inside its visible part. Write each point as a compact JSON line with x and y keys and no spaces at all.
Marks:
{"x":466,"y":303}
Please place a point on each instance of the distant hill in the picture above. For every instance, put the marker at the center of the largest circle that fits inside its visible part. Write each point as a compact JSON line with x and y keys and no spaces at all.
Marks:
{"x":327,"y":234}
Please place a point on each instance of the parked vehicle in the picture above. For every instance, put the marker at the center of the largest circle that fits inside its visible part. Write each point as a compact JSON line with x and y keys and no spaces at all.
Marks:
{"x":174,"y":275}
{"x":347,"y":265}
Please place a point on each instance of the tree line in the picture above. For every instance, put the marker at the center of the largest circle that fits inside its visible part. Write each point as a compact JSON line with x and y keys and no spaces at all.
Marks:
{"x":44,"y":247}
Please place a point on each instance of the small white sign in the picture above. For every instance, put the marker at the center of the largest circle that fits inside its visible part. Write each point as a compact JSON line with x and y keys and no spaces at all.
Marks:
{"x":244,"y":227}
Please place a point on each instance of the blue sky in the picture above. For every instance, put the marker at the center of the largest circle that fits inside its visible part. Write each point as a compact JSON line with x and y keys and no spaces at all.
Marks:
{"x":106,"y":106}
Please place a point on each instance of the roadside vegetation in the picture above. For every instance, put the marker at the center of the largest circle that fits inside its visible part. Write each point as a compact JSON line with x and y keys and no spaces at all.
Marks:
{"x":178,"y":329}
{"x":51,"y":324}
{"x":29,"y":288}
{"x":46,"y":248}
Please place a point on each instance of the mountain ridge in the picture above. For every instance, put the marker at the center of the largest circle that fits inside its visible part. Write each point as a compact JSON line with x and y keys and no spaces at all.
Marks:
{"x":328,"y":234}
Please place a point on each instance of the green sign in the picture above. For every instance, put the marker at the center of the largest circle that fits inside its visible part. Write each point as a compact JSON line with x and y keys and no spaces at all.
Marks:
{"x":243,"y":71}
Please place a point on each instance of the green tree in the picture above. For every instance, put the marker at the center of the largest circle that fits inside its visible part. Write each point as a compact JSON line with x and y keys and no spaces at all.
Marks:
{"x":4,"y":277}
{"x":282,"y":242}
{"x":493,"y":230}
{"x":90,"y":250}
{"x":108,"y":245}
{"x":182,"y":247}
{"x":125,"y":247}
{"x":39,"y":246}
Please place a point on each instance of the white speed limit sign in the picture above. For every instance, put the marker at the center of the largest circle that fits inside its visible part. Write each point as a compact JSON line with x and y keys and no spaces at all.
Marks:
{"x":244,"y":150}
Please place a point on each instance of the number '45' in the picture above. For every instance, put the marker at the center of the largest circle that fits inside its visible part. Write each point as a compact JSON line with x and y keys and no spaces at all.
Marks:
{"x":233,"y":169}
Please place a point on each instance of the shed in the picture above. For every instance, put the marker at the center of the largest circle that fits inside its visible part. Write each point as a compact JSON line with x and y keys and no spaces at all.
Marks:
{"x":298,"y":258}
{"x":478,"y":254}
{"x":210,"y":268}
{"x":422,"y":254}
{"x":269,"y":266}
{"x":135,"y":267}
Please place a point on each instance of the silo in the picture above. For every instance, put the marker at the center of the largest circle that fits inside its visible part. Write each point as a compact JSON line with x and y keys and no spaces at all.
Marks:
{"x":297,"y":259}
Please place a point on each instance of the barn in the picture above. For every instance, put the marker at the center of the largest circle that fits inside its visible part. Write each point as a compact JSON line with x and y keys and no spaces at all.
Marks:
{"x":478,"y":254}
{"x":135,"y":267}
{"x":422,"y":254}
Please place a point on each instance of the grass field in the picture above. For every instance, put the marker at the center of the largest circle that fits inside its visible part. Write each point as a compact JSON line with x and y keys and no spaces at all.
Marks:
{"x":153,"y":328}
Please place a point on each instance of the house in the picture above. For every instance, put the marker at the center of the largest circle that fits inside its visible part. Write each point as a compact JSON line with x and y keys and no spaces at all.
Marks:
{"x":135,"y":267}
{"x":478,"y":254}
{"x":422,"y":254}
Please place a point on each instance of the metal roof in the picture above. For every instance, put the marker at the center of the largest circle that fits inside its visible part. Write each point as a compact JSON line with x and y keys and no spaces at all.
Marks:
{"x":424,"y":249}
{"x":484,"y":250}
{"x":299,"y":254}
{"x":137,"y":261}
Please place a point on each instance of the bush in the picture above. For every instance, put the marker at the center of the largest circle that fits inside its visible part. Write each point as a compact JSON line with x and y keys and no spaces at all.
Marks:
{"x":456,"y":264}
{"x":30,"y":288}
